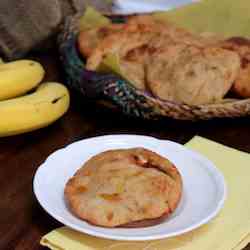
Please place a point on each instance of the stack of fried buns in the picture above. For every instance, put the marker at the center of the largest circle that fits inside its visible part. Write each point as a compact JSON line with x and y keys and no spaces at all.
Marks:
{"x":169,"y":62}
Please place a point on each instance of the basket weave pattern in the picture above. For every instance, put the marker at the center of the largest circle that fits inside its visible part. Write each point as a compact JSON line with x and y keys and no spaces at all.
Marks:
{"x":124,"y":96}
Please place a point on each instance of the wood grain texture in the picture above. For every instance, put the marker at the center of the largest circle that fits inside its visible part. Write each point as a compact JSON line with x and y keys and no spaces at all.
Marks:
{"x":22,"y":220}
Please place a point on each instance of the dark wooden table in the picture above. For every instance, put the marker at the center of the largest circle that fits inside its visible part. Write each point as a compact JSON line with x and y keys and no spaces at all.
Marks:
{"x":22,"y":220}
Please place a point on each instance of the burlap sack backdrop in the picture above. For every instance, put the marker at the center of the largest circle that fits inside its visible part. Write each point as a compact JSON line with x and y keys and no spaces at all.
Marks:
{"x":29,"y":24}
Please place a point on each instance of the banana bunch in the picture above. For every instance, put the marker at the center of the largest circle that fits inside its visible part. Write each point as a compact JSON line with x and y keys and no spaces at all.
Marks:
{"x":21,"y":112}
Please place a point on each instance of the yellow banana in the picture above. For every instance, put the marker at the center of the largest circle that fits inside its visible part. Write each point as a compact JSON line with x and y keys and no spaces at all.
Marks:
{"x":36,"y":110}
{"x":18,"y":77}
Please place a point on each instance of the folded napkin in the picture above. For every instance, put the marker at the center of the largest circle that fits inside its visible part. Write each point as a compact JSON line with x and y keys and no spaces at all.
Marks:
{"x":229,"y":230}
{"x":223,"y":17}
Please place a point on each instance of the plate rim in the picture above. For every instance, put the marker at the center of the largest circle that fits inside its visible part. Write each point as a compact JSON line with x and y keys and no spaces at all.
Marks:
{"x":216,"y":210}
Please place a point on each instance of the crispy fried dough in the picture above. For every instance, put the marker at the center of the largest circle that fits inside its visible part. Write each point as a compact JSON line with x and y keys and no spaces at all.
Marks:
{"x":118,"y":187}
{"x":241,"y":46}
{"x":192,"y":75}
{"x":89,"y":39}
{"x":120,"y":44}
{"x":139,"y":38}
{"x":133,"y":66}
{"x":128,"y":42}
{"x":171,"y":62}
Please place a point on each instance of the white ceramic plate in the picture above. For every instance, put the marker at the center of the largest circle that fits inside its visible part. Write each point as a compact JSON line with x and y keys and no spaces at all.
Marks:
{"x":203,"y":195}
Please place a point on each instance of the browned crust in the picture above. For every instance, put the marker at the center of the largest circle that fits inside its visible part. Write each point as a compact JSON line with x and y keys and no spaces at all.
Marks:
{"x":89,"y":39}
{"x":241,"y":46}
{"x":143,"y":158}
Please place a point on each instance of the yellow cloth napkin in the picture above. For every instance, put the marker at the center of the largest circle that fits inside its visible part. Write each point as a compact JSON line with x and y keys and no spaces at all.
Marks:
{"x":229,"y":230}
{"x":224,"y":17}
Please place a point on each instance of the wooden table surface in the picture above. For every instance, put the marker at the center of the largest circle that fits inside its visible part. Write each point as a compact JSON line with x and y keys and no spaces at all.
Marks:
{"x":22,"y":220}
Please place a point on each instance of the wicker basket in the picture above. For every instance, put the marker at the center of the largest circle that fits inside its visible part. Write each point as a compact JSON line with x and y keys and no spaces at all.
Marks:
{"x":124,"y":96}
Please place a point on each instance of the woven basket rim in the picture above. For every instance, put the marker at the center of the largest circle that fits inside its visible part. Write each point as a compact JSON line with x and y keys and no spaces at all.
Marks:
{"x":227,"y":108}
